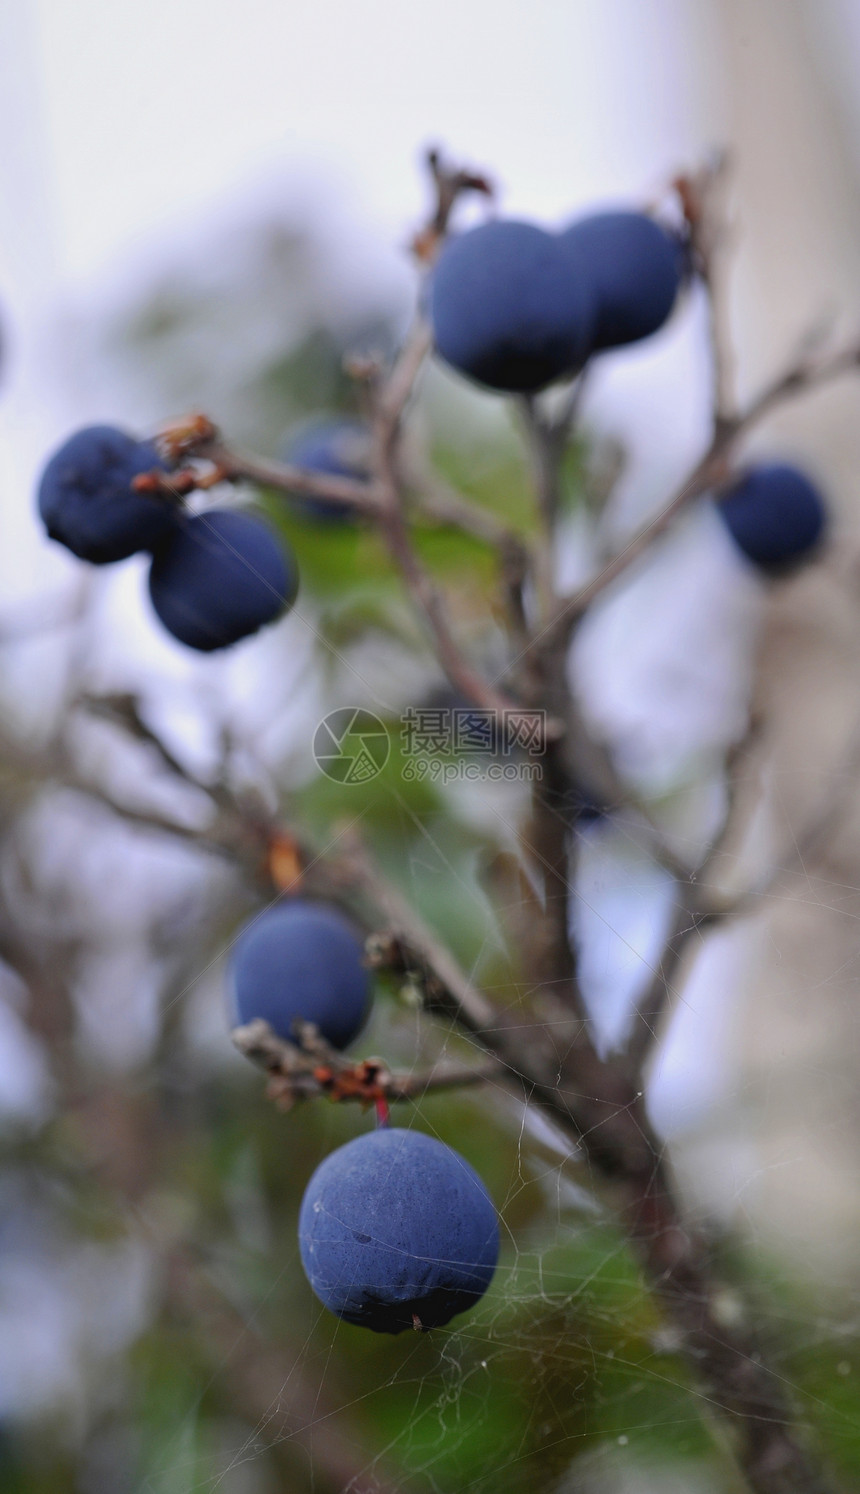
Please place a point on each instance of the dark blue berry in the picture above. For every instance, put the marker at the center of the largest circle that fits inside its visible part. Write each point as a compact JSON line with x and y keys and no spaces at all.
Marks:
{"x":87,"y":502}
{"x":775,"y":515}
{"x":397,"y":1231}
{"x":507,"y":309}
{"x":634,"y":269}
{"x":219,"y":577}
{"x":302,"y":961}
{"x":335,"y":448}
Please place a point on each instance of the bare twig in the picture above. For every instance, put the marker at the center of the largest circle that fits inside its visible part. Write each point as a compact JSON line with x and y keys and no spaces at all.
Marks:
{"x":392,"y":402}
{"x":309,"y":1068}
{"x":655,"y":1001}
{"x":450,"y":183}
{"x":703,"y":195}
{"x":700,"y":909}
{"x":811,"y":371}
{"x":237,"y":466}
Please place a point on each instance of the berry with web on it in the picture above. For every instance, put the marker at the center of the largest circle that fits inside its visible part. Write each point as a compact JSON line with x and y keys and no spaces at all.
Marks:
{"x":302,"y":961}
{"x":87,"y":501}
{"x":397,"y":1231}
{"x":219,"y":577}
{"x":775,"y":515}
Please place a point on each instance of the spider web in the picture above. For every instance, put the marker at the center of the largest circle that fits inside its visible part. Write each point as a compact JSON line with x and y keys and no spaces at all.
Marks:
{"x":566,"y":1376}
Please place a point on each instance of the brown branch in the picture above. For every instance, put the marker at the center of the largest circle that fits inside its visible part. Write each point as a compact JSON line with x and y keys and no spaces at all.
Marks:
{"x":807,"y":848}
{"x":810,"y":371}
{"x":309,"y":1067}
{"x":435,"y":500}
{"x":389,"y":412}
{"x":703,"y":195}
{"x":238,"y":466}
{"x":654,"y":1003}
{"x":700,"y":910}
{"x":234,"y":832}
{"x":449,"y":185}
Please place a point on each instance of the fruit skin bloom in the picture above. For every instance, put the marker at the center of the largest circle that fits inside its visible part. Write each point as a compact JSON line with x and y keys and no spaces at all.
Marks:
{"x":86,"y":500}
{"x":302,"y":960}
{"x":397,"y":1231}
{"x":506,"y":308}
{"x":220,"y":577}
{"x":775,"y":515}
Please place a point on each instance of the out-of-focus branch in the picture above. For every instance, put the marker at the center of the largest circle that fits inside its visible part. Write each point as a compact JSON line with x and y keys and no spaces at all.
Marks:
{"x":390,"y":406}
{"x":700,"y":909}
{"x":651,"y":1007}
{"x":807,"y":847}
{"x":234,"y":832}
{"x":703,"y":197}
{"x":449,"y":183}
{"x":810,"y":371}
{"x":124,"y":709}
{"x":237,"y":466}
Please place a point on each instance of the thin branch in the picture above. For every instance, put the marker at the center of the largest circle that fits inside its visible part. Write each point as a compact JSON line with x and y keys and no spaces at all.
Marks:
{"x":435,"y":500}
{"x":809,"y":372}
{"x":412,"y":945}
{"x":698,"y":912}
{"x":545,"y":447}
{"x":239,"y":466}
{"x":663,"y":985}
{"x":807,"y":848}
{"x":309,"y":1068}
{"x":703,"y":195}
{"x":449,"y":185}
{"x":390,"y":407}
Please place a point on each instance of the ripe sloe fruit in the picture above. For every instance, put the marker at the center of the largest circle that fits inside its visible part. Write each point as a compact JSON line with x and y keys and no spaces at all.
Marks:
{"x":337,"y":448}
{"x":219,"y":577}
{"x":87,"y":502}
{"x":302,"y":960}
{"x":775,"y":515}
{"x":634,"y":269}
{"x":507,"y":308}
{"x":396,"y":1226}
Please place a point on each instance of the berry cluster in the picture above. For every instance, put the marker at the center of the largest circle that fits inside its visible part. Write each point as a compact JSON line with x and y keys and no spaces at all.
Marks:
{"x":215,"y":577}
{"x":396,"y":1230}
{"x":516,"y":308}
